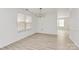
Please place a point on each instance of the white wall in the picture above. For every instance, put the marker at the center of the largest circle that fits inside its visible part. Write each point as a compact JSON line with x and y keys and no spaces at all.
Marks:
{"x":8,"y":26}
{"x":74,"y":26}
{"x":48,"y":23}
{"x":66,"y":24}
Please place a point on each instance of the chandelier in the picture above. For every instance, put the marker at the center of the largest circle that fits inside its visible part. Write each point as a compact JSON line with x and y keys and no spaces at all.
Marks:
{"x":39,"y":14}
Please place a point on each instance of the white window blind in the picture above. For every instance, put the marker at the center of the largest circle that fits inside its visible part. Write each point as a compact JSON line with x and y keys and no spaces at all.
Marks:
{"x":24,"y":22}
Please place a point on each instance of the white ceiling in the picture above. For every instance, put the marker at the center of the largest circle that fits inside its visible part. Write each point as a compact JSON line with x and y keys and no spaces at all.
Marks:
{"x":45,"y":11}
{"x":63,"y":12}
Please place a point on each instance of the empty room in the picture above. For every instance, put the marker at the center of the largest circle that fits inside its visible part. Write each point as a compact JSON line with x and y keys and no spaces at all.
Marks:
{"x":39,"y":28}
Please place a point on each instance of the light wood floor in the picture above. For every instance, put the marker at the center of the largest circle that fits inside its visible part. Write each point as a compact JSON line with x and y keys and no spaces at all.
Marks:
{"x":43,"y":42}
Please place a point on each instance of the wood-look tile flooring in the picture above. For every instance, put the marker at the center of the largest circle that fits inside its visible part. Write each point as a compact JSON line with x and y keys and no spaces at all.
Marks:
{"x":43,"y":42}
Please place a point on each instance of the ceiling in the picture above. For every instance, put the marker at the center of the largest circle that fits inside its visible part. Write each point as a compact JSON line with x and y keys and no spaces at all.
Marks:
{"x":63,"y":12}
{"x":45,"y":11}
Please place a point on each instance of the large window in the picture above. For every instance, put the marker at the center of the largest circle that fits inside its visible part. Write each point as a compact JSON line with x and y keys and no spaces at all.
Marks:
{"x":24,"y":22}
{"x":28,"y":22}
{"x":60,"y":22}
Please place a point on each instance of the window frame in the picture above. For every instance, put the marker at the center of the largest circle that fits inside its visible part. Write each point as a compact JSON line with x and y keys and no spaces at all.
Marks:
{"x":25,"y":26}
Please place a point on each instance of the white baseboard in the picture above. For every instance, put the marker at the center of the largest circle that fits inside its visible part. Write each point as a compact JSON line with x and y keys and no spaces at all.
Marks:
{"x":74,"y":42}
{"x":13,"y":41}
{"x":47,"y":33}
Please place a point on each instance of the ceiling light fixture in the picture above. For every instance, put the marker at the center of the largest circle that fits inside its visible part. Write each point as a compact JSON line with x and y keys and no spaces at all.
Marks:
{"x":39,"y":14}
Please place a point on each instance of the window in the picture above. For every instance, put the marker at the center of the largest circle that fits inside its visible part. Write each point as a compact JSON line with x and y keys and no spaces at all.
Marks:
{"x":28,"y":22}
{"x":21,"y":22}
{"x":60,"y":22}
{"x":24,"y":22}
